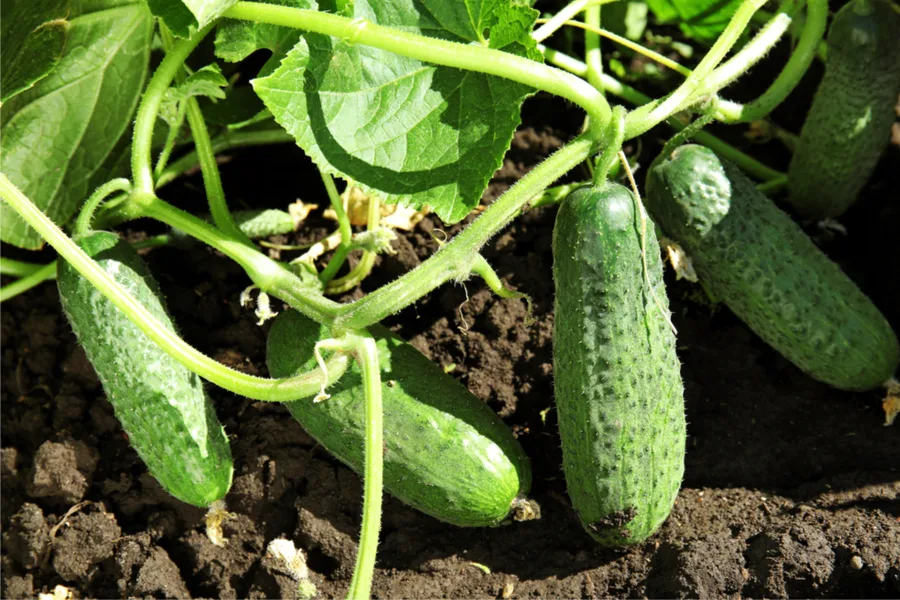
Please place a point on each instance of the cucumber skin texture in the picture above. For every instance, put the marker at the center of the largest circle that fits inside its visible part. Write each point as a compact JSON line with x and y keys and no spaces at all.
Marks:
{"x":771,"y":275}
{"x":849,"y":123}
{"x":617,"y":378}
{"x":161,"y":405}
{"x":446,"y":453}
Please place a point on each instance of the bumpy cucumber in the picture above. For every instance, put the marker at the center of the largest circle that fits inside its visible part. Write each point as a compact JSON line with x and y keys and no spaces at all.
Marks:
{"x":849,"y":123}
{"x":446,"y":453}
{"x":761,"y":264}
{"x":617,"y":379}
{"x":162,"y":406}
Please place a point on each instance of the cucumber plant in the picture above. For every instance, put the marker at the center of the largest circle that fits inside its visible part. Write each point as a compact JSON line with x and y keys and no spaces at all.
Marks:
{"x":412,"y":104}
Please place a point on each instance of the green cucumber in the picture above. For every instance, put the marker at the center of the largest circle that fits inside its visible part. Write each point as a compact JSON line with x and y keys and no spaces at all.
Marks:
{"x":617,"y":378}
{"x":760,"y":263}
{"x":446,"y":453}
{"x":162,"y":406}
{"x":849,"y":122}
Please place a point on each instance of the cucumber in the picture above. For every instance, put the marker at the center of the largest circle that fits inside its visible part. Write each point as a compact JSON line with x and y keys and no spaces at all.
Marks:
{"x":446,"y":453}
{"x":261,"y":223}
{"x":849,"y":122}
{"x":162,"y":406}
{"x":617,"y":378}
{"x":760,"y":263}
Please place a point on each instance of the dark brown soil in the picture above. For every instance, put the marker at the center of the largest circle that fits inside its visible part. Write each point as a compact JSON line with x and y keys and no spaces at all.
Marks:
{"x":791,"y":488}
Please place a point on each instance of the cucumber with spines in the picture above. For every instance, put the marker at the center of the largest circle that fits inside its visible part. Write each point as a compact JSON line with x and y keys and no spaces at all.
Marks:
{"x":848,"y":125}
{"x":765,"y":268}
{"x":446,"y":453}
{"x":617,"y":378}
{"x":161,"y":405}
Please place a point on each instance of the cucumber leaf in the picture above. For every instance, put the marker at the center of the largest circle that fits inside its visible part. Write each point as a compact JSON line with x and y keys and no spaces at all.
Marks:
{"x":55,"y":136}
{"x":185,"y":17}
{"x":408,"y":131}
{"x":207,"y":82}
{"x":32,"y":39}
{"x":701,"y":20}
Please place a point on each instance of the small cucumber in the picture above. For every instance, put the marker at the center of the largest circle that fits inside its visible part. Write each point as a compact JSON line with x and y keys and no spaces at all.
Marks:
{"x":446,"y":453}
{"x":162,"y":406}
{"x":617,"y":378}
{"x":762,"y":265}
{"x":849,"y":122}
{"x":261,"y":223}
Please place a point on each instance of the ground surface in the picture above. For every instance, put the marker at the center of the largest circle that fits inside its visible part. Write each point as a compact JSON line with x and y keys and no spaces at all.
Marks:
{"x":791,"y":488}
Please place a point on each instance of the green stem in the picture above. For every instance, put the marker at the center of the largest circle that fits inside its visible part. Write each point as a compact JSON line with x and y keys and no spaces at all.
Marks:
{"x":764,"y":16}
{"x":793,"y":71}
{"x":629,"y":94}
{"x":258,"y":388}
{"x":157,"y":241}
{"x":612,"y":142}
{"x":455,"y":258}
{"x":141,"y":149}
{"x":471,"y":57}
{"x":749,"y":55}
{"x":18,"y":268}
{"x":85,"y":217}
{"x":365,"y":264}
{"x":163,"y":158}
{"x":554,"y":195}
{"x":367,"y":356}
{"x":27,"y":282}
{"x":592,"y":55}
{"x":212,"y":181}
{"x":567,"y":13}
{"x":483,"y":269}
{"x":337,"y":261}
{"x":343,"y":251}
{"x":648,"y":116}
{"x":270,"y":276}
{"x":226,"y":141}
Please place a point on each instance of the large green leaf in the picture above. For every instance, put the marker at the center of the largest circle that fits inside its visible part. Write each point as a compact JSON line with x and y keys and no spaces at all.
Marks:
{"x":409,"y":131}
{"x":702,"y":20}
{"x":55,"y":136}
{"x":184,"y":17}
{"x":32,"y":39}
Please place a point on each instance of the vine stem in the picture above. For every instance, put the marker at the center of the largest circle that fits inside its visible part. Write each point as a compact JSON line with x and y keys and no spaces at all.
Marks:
{"x":648,"y":116}
{"x":18,"y":268}
{"x":83,"y":222}
{"x":454,"y":259}
{"x":592,"y":55}
{"x":629,"y":94}
{"x":367,"y":357}
{"x":471,"y":57}
{"x":566,"y":13}
{"x":257,"y":388}
{"x":28,"y":281}
{"x":141,"y":149}
{"x":343,"y":250}
{"x":794,"y":69}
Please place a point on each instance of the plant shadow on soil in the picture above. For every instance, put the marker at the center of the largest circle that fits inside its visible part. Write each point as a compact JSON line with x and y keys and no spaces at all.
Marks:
{"x":791,"y":488}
